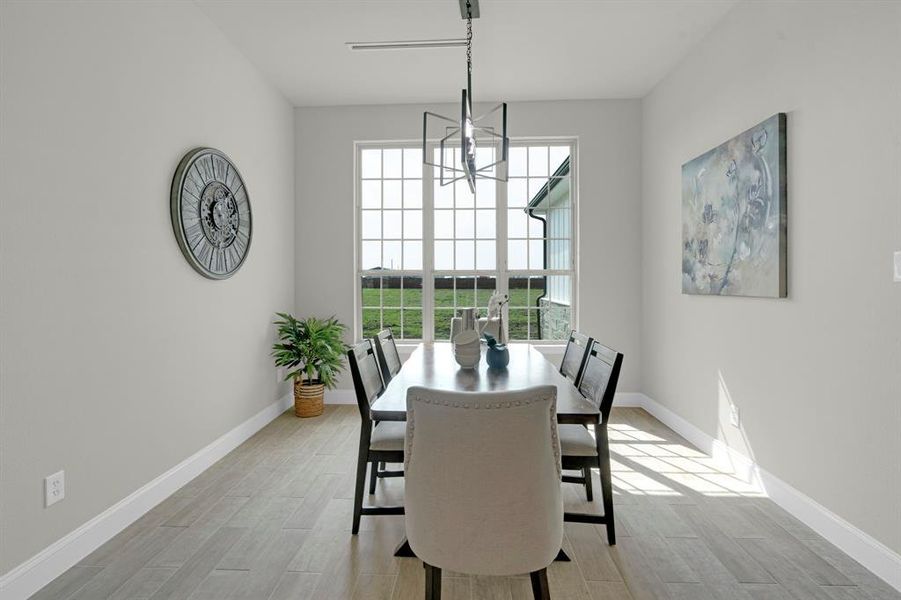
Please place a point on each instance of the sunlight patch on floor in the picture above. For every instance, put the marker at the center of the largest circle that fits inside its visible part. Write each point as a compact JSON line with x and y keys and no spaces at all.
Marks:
{"x":643,"y":463}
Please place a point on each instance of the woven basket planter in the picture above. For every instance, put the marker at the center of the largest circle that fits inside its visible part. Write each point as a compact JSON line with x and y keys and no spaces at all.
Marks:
{"x":308,"y":399}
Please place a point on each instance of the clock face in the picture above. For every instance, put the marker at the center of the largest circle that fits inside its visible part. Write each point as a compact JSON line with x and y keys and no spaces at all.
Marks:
{"x":211,"y":213}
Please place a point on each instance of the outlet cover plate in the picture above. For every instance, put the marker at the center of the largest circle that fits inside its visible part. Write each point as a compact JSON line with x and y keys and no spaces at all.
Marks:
{"x":54,"y":488}
{"x":898,"y":266}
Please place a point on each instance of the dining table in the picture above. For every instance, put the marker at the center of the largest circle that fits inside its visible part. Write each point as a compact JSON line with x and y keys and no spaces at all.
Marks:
{"x":433,"y":365}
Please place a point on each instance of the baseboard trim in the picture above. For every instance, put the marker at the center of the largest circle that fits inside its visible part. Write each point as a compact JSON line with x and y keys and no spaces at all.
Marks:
{"x":30,"y":576}
{"x":868,"y":551}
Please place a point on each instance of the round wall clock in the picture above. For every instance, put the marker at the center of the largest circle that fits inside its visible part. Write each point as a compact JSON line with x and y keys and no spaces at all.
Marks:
{"x":211,"y":213}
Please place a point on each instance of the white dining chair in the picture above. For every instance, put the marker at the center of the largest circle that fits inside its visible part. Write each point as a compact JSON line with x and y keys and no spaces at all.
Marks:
{"x":482,"y":492}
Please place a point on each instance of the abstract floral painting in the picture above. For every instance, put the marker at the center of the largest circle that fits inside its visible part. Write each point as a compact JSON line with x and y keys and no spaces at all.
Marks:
{"x":734,"y":216}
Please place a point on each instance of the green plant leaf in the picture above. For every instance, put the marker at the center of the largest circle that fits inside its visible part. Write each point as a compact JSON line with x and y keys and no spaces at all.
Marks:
{"x":315,"y":345}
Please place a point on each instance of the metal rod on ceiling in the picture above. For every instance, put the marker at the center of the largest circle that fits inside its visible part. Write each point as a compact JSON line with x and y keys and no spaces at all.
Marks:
{"x":407,"y":44}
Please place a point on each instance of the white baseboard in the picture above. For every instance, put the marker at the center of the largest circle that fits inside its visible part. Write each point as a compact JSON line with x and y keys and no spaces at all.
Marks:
{"x":869,"y":552}
{"x":30,"y":576}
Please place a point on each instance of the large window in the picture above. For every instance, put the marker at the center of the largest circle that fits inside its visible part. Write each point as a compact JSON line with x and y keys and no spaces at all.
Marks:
{"x":427,"y":249}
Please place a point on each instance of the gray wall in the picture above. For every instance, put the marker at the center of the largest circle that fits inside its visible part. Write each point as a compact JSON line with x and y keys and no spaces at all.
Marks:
{"x":609,"y":155}
{"x":117,"y":360}
{"x":816,"y":376}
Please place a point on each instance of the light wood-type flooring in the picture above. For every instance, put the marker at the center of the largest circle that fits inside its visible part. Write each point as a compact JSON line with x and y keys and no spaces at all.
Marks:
{"x":271,"y":521}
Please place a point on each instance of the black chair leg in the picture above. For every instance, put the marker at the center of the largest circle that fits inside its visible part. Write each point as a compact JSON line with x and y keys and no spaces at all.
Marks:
{"x":606,"y":485}
{"x":589,"y":493}
{"x":373,"y":477}
{"x":432,"y":582}
{"x":540,"y":588}
{"x":362,"y":461}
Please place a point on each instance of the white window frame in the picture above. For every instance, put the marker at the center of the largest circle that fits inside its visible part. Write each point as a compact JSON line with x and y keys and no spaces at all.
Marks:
{"x":501,"y":273}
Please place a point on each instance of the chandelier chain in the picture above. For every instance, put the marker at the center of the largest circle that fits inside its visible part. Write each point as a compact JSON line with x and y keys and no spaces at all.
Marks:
{"x":468,"y":37}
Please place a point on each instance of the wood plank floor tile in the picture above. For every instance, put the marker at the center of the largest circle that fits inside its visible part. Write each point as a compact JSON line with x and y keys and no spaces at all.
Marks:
{"x":105,"y":554}
{"x":702,"y":561}
{"x":875,"y":588}
{"x":262,"y":523}
{"x":764,"y":591}
{"x":733,"y":556}
{"x":122,"y":568}
{"x":844,"y":593}
{"x":783,"y":570}
{"x":218,"y":585}
{"x":190,"y":539}
{"x":293,"y":586}
{"x":669,"y":566}
{"x":144,"y":583}
{"x":608,"y":590}
{"x":268,"y":564}
{"x":67,"y":584}
{"x":689,"y":591}
{"x":374,"y":587}
{"x":591,"y":552}
{"x":814,"y":566}
{"x":640,"y":577}
{"x":187,"y":578}
{"x":456,"y":588}
{"x":410,"y":583}
{"x":315,"y":500}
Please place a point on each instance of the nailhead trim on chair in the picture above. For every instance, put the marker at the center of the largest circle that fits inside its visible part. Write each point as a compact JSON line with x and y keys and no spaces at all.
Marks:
{"x":411,"y":424}
{"x":408,"y":451}
{"x":556,"y":440}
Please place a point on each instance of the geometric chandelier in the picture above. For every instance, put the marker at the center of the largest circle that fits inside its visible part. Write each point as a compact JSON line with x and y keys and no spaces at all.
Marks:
{"x":483,"y":145}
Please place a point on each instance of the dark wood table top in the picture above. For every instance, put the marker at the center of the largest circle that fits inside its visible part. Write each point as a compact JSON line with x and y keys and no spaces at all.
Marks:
{"x":433,"y":365}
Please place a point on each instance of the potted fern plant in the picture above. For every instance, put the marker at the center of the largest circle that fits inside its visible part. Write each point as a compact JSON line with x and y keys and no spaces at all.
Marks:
{"x":313,"y":352}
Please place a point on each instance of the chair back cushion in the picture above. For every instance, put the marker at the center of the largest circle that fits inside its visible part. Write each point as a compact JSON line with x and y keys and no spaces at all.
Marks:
{"x":364,"y":370}
{"x":388,"y":355}
{"x":575,"y":356}
{"x":599,"y":377}
{"x":482,"y":480}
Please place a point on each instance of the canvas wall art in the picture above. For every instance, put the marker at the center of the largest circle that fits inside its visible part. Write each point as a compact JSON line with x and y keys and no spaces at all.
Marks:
{"x":734,"y":216}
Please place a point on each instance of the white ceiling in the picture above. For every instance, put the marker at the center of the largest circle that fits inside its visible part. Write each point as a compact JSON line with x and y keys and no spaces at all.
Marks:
{"x":522,"y":50}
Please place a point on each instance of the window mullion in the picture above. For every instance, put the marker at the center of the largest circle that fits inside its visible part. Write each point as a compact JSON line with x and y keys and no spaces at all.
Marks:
{"x":428,"y":250}
{"x":502,"y":283}
{"x":358,"y":235}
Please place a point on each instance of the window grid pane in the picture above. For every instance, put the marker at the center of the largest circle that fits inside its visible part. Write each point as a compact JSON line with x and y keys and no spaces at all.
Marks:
{"x":461,"y":216}
{"x":456,"y":292}
{"x":391,"y":238}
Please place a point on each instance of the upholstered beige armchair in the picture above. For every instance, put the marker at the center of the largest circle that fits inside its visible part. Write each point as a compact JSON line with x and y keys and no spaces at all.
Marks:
{"x":482,"y":492}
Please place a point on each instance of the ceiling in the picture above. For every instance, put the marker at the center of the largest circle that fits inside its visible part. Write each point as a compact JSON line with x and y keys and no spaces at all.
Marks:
{"x":522,"y":49}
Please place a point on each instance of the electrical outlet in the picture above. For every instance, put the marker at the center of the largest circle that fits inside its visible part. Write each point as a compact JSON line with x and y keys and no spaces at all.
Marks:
{"x":735,"y":417}
{"x":54,"y":488}
{"x":898,"y":266}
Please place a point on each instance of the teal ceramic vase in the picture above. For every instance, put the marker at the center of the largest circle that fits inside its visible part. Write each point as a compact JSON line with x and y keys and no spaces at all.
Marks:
{"x":497,"y":356}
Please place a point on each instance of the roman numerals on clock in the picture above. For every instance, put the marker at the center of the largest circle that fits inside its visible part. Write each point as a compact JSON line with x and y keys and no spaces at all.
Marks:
{"x":211,"y":213}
